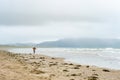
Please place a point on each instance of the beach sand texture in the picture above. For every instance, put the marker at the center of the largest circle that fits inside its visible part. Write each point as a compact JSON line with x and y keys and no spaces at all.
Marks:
{"x":40,"y":67}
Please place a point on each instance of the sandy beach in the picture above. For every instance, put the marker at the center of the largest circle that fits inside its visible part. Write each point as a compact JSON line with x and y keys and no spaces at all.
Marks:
{"x":39,"y":67}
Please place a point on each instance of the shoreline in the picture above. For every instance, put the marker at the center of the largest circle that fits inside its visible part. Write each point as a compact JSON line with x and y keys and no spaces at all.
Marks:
{"x":79,"y":56}
{"x":41,"y":67}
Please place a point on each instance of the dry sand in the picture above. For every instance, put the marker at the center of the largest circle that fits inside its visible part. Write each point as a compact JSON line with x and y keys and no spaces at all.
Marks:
{"x":40,"y":67}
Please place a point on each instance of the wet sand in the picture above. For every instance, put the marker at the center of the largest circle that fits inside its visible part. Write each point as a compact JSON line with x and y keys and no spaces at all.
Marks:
{"x":39,"y":67}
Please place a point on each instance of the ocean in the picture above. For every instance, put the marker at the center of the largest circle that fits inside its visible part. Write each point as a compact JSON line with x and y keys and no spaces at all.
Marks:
{"x":101,"y":57}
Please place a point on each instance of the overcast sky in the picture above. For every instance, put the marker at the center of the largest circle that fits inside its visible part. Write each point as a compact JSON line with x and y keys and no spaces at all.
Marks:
{"x":43,"y":20}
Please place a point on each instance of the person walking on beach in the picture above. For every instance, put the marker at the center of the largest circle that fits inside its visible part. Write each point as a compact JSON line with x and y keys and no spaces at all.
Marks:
{"x":34,"y":49}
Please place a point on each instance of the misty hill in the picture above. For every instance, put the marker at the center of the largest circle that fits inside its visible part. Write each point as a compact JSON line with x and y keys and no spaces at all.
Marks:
{"x":82,"y":43}
{"x":21,"y":45}
{"x":24,"y":44}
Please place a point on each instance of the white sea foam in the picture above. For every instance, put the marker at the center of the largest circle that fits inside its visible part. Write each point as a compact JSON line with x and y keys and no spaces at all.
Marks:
{"x":102,"y":57}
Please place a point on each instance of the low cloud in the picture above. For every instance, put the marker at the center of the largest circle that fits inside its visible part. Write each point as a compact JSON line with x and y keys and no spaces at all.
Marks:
{"x":38,"y":12}
{"x":39,"y":20}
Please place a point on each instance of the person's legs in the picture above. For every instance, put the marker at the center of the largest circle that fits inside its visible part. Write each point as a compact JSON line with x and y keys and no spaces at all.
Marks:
{"x":34,"y":51}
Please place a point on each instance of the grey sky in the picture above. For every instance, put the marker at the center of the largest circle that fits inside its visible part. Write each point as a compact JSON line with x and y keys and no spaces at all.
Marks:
{"x":39,"y":20}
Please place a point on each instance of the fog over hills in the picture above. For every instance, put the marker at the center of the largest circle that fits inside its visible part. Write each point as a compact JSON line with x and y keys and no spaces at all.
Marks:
{"x":82,"y":43}
{"x":74,"y":43}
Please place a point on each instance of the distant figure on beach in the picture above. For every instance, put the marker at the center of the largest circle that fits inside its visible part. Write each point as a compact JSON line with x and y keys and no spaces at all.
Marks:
{"x":34,"y":49}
